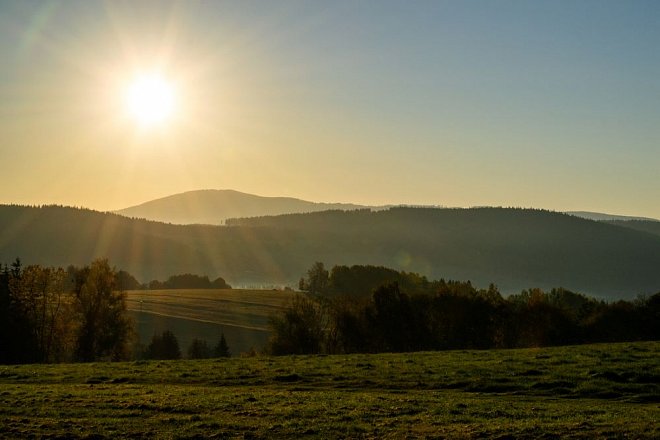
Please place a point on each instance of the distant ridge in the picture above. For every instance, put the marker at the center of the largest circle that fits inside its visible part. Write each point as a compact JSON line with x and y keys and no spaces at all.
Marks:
{"x":650,"y":226}
{"x":513,"y":248}
{"x":214,"y":206}
{"x":599,"y":216}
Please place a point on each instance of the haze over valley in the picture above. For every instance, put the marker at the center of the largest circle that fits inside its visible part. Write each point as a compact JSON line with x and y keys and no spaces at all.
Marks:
{"x":513,"y":248}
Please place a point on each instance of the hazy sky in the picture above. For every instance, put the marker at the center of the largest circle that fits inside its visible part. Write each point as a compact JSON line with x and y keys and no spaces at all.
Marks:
{"x":548,"y":104}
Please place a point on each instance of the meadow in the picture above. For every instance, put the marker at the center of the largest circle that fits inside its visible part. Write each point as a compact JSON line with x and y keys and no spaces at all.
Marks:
{"x":591,"y":391}
{"x":241,"y":314}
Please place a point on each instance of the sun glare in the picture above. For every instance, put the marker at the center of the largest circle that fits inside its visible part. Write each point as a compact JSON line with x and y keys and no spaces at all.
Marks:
{"x":150,"y":100}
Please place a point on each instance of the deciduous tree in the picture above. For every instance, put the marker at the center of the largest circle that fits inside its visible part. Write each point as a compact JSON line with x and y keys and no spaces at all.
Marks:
{"x":47,"y":306}
{"x":105,"y":328}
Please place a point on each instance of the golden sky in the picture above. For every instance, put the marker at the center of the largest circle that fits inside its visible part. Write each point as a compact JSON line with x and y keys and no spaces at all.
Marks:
{"x":541,"y":104}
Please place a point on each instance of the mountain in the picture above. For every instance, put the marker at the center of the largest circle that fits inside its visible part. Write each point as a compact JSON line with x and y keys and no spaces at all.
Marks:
{"x":513,"y":248}
{"x":213,"y":207}
{"x":599,"y":216}
{"x":645,"y":224}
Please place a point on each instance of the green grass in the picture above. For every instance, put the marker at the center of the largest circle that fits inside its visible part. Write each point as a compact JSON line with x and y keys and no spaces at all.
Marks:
{"x":242,"y":315}
{"x":594,"y":391}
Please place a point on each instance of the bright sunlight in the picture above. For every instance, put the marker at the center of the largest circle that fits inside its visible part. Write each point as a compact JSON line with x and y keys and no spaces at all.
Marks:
{"x":150,"y":100}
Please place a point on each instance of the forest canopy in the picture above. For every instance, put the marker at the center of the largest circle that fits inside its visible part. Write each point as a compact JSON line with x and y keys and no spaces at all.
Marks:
{"x":513,"y":248}
{"x":406,"y":312}
{"x":54,"y":315}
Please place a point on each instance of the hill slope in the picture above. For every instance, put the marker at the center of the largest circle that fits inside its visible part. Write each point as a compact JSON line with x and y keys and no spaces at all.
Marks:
{"x":514,"y":248}
{"x":650,"y":226}
{"x":213,"y":207}
{"x":241,"y":315}
{"x":599,"y":216}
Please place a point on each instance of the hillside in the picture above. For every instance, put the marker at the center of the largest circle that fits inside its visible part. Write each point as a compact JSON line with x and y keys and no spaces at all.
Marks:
{"x":511,"y":247}
{"x":650,"y":226}
{"x":514,"y":248}
{"x":213,"y":207}
{"x":599,"y":216}
{"x":242,"y":315}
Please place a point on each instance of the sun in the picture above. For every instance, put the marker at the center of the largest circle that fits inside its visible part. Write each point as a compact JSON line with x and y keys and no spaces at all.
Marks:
{"x":150,"y":100}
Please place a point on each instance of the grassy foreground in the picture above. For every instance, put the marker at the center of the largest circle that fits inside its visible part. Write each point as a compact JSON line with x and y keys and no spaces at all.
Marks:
{"x":594,"y":391}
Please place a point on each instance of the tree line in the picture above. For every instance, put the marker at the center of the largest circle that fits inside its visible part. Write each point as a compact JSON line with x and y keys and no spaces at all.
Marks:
{"x":360,"y":281}
{"x":79,"y":314}
{"x":188,"y":281}
{"x":52,"y":314}
{"x":441,"y":315}
{"x":166,"y":346}
{"x":126,"y":281}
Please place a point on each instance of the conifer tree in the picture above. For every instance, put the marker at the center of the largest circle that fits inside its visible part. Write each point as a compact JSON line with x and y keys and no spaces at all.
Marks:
{"x":222,"y":349}
{"x":164,"y":346}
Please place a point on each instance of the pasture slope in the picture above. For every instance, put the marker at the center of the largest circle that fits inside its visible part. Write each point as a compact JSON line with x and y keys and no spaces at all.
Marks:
{"x":592,"y":391}
{"x":242,"y":315}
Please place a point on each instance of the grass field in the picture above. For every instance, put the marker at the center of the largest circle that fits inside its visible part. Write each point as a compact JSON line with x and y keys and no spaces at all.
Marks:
{"x":595,"y":391}
{"x":242,"y":315}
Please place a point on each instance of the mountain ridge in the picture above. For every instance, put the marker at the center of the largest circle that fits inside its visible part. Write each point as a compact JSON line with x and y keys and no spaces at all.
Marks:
{"x":514,"y":248}
{"x":215,"y":206}
{"x":600,"y":216}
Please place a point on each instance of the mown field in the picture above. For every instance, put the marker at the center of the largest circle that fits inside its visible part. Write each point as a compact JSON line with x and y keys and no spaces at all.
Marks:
{"x":594,"y":391}
{"x":242,"y":315}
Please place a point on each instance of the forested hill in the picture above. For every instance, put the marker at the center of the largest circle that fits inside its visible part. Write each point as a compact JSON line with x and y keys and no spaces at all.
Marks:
{"x":514,"y":248}
{"x":214,"y":206}
{"x":650,"y":226}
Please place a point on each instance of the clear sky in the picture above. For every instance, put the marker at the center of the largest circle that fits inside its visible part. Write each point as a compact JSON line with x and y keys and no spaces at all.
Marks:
{"x":547,"y":104}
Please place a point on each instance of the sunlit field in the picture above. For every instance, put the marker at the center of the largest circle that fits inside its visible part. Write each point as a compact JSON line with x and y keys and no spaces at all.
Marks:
{"x":242,"y":315}
{"x":592,"y":391}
